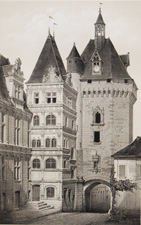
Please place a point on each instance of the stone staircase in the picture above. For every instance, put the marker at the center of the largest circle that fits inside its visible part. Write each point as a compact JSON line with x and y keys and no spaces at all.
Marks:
{"x":38,"y":206}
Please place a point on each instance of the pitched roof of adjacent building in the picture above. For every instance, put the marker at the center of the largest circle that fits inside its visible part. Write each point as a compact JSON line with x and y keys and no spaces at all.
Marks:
{"x":49,"y":57}
{"x":112,"y":65}
{"x":131,"y":151}
{"x":4,"y":96}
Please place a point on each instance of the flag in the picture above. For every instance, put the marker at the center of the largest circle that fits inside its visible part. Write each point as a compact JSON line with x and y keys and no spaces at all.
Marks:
{"x":55,"y":23}
{"x":51,"y":17}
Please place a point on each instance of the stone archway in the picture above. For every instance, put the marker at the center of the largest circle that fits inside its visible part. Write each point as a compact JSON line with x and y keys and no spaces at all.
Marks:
{"x":98,"y":196}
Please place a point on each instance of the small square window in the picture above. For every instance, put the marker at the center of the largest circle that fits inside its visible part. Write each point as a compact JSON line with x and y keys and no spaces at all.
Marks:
{"x":96,"y":136}
{"x":108,"y":80}
{"x":126,"y":81}
{"x":89,"y":81}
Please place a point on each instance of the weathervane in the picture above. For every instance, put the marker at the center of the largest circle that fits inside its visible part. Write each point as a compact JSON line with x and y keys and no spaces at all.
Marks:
{"x":50,"y":17}
{"x":100,"y":4}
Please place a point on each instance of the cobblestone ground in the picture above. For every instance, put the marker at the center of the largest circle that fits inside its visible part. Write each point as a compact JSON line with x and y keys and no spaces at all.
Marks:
{"x":79,"y":219}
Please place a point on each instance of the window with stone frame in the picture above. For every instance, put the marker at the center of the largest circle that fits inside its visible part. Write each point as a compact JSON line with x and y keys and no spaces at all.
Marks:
{"x":70,"y":102}
{"x":28,"y":169}
{"x":66,"y":121}
{"x":53,"y":142}
{"x":47,"y":142}
{"x":50,"y":163}
{"x":3,"y":124}
{"x":19,"y":92}
{"x":97,"y":116}
{"x":28,"y":134}
{"x":36,"y":164}
{"x":34,"y":143}
{"x":3,"y":168}
{"x":72,"y":173}
{"x":50,"y":120}
{"x":51,"y":97}
{"x":72,"y":152}
{"x":122,"y":172}
{"x":36,"y":98}
{"x":36,"y":121}
{"x":16,"y":169}
{"x":50,"y":192}
{"x":38,"y":143}
{"x":17,"y":132}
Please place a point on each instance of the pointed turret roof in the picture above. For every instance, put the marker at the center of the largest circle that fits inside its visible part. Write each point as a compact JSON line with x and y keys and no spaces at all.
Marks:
{"x":74,"y":53}
{"x":49,"y":57}
{"x":100,"y":18}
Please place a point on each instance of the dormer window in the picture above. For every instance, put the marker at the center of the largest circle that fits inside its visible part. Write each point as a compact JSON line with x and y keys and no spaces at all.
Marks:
{"x":96,"y":63}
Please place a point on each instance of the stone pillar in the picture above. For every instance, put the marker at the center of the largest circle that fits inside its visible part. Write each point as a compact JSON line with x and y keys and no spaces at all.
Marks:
{"x":79,"y":195}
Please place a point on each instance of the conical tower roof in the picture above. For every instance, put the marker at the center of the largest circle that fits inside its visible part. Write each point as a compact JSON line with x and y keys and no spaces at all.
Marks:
{"x":49,"y":57}
{"x":100,"y":18}
{"x":74,"y":53}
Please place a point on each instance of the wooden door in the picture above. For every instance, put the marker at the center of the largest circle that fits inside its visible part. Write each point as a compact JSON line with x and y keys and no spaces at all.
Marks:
{"x":36,"y":193}
{"x":17,"y":199}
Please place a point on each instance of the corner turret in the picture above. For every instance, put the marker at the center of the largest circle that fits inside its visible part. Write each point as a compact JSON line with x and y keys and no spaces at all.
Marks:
{"x":74,"y":62}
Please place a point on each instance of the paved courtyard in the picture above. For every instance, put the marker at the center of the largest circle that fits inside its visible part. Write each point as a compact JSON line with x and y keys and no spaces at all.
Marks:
{"x":79,"y":219}
{"x":53,"y":218}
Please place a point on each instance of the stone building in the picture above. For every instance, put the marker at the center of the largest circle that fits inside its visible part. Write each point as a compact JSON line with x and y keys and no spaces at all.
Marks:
{"x":52,"y":100}
{"x":80,"y":118}
{"x":127,"y":165}
{"x":15,"y":152}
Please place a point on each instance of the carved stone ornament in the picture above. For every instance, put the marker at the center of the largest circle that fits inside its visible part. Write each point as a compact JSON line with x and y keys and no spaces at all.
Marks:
{"x":51,"y":76}
{"x":68,"y":78}
{"x":18,"y":63}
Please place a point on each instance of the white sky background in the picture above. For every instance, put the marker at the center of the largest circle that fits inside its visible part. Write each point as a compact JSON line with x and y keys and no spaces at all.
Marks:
{"x":24,"y":29}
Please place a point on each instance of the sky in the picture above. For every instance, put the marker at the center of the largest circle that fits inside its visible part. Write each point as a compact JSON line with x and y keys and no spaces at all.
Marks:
{"x":24,"y":30}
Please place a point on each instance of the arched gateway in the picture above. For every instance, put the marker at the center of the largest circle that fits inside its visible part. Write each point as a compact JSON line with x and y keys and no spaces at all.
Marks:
{"x":97,"y":196}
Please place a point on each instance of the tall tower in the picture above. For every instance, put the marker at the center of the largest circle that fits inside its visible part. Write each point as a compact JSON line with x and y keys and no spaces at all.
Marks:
{"x":108,"y":94}
{"x":52,"y":100}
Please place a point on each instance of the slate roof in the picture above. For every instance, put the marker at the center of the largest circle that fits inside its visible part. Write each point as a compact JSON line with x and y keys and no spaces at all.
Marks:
{"x":4,"y":96}
{"x":49,"y":56}
{"x":131,"y":151}
{"x":100,"y":19}
{"x":113,"y":66}
{"x":74,"y":53}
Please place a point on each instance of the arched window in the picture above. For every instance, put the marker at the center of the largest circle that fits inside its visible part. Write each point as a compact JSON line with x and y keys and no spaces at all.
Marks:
{"x":50,"y":163}
{"x":97,"y":117}
{"x":38,"y":143}
{"x":36,"y":163}
{"x":33,"y":143}
{"x":50,"y":120}
{"x":53,"y":142}
{"x":36,"y":120}
{"x":50,"y":191}
{"x":47,"y":142}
